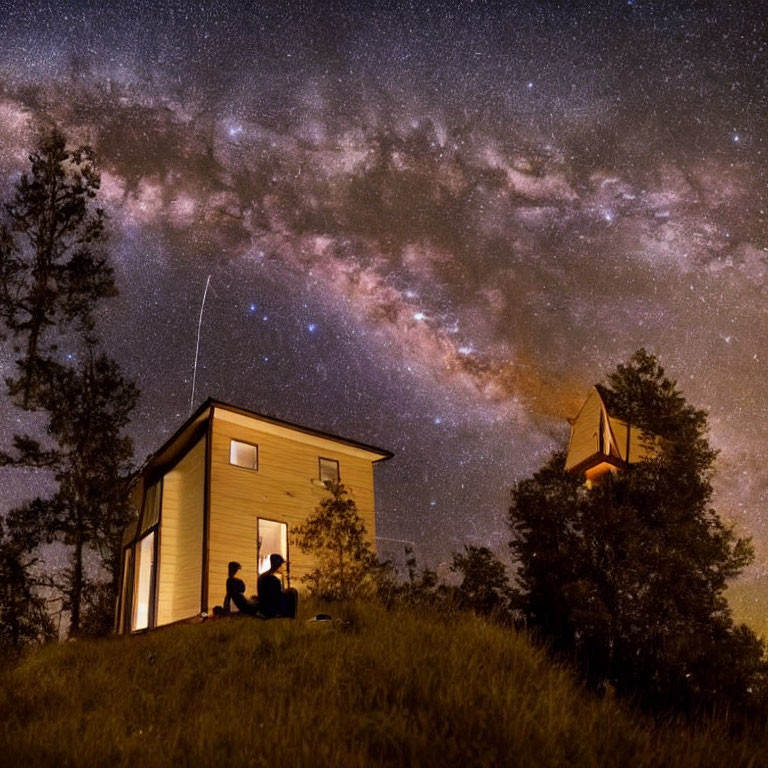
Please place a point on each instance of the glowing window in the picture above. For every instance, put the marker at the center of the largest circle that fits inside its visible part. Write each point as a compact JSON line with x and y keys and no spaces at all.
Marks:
{"x":244,"y":454}
{"x":329,"y":471}
{"x":152,"y":498}
{"x":142,"y":595}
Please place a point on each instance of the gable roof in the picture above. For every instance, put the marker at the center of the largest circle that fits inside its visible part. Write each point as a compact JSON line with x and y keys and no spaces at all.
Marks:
{"x":194,"y":427}
{"x":597,"y":436}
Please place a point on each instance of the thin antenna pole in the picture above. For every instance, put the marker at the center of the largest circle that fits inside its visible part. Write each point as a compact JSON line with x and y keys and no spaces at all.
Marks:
{"x":197,"y":344}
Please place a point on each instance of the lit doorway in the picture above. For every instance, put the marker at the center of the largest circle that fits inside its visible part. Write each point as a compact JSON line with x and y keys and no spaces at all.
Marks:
{"x":272,"y":540}
{"x":144,"y":581}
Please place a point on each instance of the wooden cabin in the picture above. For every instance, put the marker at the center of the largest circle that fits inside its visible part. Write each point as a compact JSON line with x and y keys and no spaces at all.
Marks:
{"x":602,"y":443}
{"x":230,"y":484}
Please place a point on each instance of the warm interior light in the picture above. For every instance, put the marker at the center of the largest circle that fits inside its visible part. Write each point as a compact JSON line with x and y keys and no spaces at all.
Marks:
{"x":600,"y":470}
{"x":145,"y":562}
{"x":273,"y":540}
{"x":243,"y":455}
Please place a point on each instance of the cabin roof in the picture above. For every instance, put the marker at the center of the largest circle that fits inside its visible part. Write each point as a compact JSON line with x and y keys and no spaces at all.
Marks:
{"x":194,"y":427}
{"x":608,"y":399}
{"x":599,"y":435}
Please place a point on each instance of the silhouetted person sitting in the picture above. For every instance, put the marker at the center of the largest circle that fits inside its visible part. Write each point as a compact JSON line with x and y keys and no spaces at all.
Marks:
{"x":236,"y":593}
{"x":273,"y":599}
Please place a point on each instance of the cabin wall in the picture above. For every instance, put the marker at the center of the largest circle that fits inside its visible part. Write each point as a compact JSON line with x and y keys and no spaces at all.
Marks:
{"x":181,"y":538}
{"x":281,"y":489}
{"x":585,"y":432}
{"x":641,"y":445}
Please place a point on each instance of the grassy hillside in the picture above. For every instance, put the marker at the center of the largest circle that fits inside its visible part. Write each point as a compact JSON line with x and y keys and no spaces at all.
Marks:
{"x":381,"y":689}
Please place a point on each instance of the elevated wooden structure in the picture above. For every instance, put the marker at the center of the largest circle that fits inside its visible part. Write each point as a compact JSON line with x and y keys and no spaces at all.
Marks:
{"x":602,"y":443}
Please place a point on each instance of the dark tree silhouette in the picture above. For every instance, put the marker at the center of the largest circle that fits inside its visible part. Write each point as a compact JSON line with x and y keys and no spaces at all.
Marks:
{"x":484,"y":586}
{"x":24,"y":618}
{"x":53,"y":271}
{"x":52,"y":268}
{"x":628,"y":578}
{"x":87,"y":410}
{"x":420,"y":588}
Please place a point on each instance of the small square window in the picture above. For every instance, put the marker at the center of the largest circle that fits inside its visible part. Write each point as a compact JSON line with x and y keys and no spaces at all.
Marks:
{"x":329,"y":471}
{"x":244,"y":454}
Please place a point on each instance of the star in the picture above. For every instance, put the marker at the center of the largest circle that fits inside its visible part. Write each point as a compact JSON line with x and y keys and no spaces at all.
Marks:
{"x":447,"y":270}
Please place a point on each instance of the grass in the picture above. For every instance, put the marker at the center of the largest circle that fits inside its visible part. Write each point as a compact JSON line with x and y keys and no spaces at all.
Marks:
{"x":378,"y":689}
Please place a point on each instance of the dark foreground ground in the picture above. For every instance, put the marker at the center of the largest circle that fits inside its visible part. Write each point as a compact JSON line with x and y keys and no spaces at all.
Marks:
{"x":374,"y":688}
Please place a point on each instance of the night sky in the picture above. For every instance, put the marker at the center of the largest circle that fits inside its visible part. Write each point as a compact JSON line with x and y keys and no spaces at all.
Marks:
{"x":429,"y":226}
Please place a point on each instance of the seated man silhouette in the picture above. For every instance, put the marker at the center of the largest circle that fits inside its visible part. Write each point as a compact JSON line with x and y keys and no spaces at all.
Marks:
{"x":236,"y":594}
{"x":273,"y":599}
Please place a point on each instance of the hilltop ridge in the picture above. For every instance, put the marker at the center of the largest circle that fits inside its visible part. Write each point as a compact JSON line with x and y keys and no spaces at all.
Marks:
{"x":374,"y":688}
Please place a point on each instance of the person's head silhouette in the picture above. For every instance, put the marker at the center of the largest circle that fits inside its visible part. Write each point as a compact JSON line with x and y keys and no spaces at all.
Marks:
{"x":275,"y":561}
{"x":233,"y":568}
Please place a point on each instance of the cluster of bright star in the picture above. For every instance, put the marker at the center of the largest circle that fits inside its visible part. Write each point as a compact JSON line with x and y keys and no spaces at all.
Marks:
{"x":439,"y":270}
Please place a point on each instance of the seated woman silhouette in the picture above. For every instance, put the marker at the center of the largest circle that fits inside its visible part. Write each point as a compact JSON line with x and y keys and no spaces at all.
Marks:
{"x":236,"y":593}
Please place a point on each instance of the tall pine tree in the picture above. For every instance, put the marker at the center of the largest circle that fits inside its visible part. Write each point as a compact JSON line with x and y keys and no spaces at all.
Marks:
{"x":53,"y":272}
{"x":52,"y":265}
{"x":627,"y":579}
{"x":87,"y":409}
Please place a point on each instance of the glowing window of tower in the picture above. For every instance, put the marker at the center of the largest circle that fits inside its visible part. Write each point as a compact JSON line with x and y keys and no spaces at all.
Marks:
{"x":142,"y":595}
{"x":273,"y":540}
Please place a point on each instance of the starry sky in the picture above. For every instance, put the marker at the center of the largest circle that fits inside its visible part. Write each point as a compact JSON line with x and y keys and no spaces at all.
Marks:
{"x":429,"y":226}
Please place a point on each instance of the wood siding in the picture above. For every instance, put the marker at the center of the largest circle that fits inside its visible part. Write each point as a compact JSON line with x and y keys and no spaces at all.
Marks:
{"x":641,"y":445}
{"x":181,"y":538}
{"x":585,"y":432}
{"x":596,"y":435}
{"x":282,"y":489}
